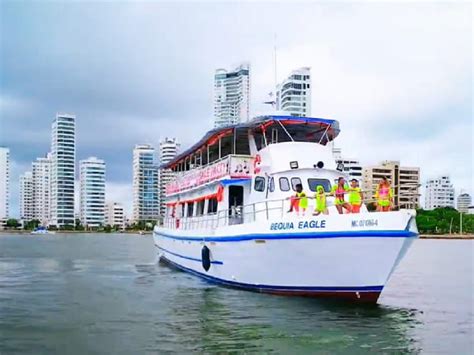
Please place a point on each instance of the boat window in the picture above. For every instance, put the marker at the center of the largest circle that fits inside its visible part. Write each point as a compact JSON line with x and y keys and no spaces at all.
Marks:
{"x":259,"y":183}
{"x":271,"y":184}
{"x":200,"y":208}
{"x":212,"y":205}
{"x":295,"y":181}
{"x":190,"y":209}
{"x":284,"y":184}
{"x":325,"y":183}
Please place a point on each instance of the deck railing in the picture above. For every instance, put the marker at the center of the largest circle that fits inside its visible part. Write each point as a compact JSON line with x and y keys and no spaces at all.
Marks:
{"x":259,"y":211}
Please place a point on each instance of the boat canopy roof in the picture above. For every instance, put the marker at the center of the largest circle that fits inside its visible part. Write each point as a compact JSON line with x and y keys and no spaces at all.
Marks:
{"x":319,"y":130}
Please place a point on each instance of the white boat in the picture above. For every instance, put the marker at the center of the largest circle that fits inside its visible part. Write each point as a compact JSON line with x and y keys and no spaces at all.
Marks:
{"x":41,"y":230}
{"x":227,"y":216}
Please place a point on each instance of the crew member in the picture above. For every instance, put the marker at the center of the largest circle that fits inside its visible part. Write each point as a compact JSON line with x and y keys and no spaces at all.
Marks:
{"x":355,"y":196}
{"x":299,"y":201}
{"x":320,"y":198}
{"x":384,"y":196}
{"x":338,"y":192}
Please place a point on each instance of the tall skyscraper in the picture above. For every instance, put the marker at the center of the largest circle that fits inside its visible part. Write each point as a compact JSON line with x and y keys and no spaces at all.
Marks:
{"x":41,"y":170}
{"x":92,"y":192}
{"x":168,"y":149}
{"x":145,"y":184}
{"x":439,"y":193}
{"x":26,"y":196}
{"x":294,"y":93}
{"x":463,"y":202}
{"x":231,"y":96}
{"x":4,"y":183}
{"x":63,"y":157}
{"x":404,"y":180}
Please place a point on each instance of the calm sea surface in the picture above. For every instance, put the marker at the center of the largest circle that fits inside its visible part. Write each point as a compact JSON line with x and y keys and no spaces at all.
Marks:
{"x":106,"y":294}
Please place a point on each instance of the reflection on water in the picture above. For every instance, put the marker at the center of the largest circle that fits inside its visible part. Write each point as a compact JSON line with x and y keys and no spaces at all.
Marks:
{"x":106,"y":294}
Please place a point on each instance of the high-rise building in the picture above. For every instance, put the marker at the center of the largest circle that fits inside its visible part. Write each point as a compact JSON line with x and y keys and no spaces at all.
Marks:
{"x":294,"y":93}
{"x":63,"y":157}
{"x":92,"y":192}
{"x":439,"y":193}
{"x":114,"y":215}
{"x":349,"y":166}
{"x":41,"y":170}
{"x":404,"y":180}
{"x":4,"y":183}
{"x":168,"y":149}
{"x":463,"y":202}
{"x":145,"y":184}
{"x":231,"y":96}
{"x":26,"y":196}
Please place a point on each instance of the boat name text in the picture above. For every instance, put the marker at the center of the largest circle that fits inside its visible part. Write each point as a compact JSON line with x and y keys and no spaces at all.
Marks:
{"x":313,"y":224}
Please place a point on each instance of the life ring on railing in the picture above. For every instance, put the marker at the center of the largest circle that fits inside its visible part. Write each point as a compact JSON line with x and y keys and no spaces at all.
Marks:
{"x":220,"y":193}
{"x":206,"y":258}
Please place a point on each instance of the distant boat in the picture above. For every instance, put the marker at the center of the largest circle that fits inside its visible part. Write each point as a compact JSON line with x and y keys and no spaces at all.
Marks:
{"x":41,"y":230}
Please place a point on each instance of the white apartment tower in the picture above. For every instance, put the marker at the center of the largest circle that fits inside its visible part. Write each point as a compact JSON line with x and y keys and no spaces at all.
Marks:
{"x":232,"y":96}
{"x":294,"y":93}
{"x":439,"y":193}
{"x":404,"y":180}
{"x":41,"y":170}
{"x":63,"y":156}
{"x":463,"y":202}
{"x":114,"y":215}
{"x":168,"y":150}
{"x":145,"y":184}
{"x":92,"y":192}
{"x":4,"y":183}
{"x":26,"y":196}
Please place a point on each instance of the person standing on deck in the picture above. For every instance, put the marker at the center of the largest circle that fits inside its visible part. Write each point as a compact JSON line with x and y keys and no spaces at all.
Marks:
{"x":355,"y":196}
{"x":338,"y":191}
{"x":320,"y":198}
{"x":299,"y":201}
{"x":384,"y":196}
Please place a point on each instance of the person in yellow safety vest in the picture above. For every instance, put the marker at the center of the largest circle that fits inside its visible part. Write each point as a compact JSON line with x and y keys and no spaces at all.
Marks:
{"x":320,"y":198}
{"x":338,"y":191}
{"x":299,"y":200}
{"x":355,"y":196}
{"x":384,"y":196}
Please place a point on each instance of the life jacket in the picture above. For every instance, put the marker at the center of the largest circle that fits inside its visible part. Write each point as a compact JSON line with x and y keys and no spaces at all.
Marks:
{"x":354,"y":196}
{"x":320,"y":202}
{"x":303,"y":199}
{"x":384,"y":193}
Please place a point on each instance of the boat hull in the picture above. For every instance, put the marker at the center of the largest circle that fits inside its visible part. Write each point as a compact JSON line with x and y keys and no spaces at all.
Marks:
{"x":326,"y":261}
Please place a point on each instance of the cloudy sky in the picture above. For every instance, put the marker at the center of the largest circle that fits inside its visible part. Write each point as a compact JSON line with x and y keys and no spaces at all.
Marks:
{"x":397,"y":76}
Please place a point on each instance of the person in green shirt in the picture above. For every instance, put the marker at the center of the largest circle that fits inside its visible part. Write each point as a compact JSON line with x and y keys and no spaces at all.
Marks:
{"x":338,"y":191}
{"x":320,"y":198}
{"x":355,"y":196}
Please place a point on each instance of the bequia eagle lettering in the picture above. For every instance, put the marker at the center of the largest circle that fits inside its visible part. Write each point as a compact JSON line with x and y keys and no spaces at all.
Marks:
{"x":313,"y":224}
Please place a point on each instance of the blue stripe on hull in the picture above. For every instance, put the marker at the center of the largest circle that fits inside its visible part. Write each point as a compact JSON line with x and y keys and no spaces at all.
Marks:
{"x":318,"y":235}
{"x":257,"y":287}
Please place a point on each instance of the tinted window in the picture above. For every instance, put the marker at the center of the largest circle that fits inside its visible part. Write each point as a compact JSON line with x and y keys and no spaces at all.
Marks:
{"x":271,"y":184}
{"x":284,"y":184}
{"x":295,"y":181}
{"x":325,"y":183}
{"x":212,"y":205}
{"x":190,"y":209}
{"x":200,"y":208}
{"x":259,"y":183}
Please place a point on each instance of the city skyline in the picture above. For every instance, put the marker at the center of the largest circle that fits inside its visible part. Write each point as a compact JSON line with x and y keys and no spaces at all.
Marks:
{"x":397,"y":104}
